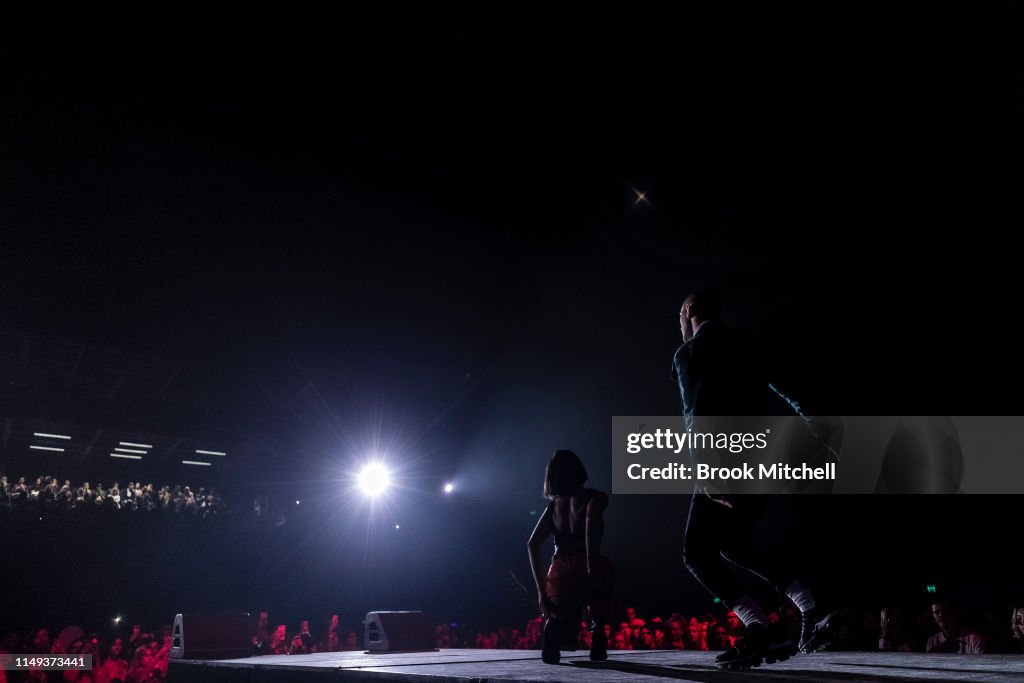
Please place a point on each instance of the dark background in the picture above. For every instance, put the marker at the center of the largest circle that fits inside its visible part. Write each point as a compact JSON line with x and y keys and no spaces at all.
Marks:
{"x":304,"y":238}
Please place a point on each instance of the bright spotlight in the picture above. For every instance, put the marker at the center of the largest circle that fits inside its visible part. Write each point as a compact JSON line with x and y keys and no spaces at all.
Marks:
{"x":374,"y":479}
{"x":449,"y":487}
{"x":117,"y":620}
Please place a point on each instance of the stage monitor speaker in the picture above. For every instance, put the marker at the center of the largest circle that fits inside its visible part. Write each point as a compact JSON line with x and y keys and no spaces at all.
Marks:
{"x":398,"y":632}
{"x":211,"y":636}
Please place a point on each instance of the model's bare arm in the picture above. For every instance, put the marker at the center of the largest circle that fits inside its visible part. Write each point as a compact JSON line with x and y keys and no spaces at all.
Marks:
{"x":595,"y":528}
{"x":541,"y":533}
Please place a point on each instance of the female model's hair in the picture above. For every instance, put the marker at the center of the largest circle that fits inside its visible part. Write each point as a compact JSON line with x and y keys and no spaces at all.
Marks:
{"x":564,"y":473}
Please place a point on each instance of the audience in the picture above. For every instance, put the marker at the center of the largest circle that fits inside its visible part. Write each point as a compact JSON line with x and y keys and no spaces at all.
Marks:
{"x":47,"y":493}
{"x":149,"y":658}
{"x":143,"y":657}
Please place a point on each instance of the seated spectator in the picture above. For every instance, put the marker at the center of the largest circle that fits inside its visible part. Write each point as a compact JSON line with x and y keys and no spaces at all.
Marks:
{"x":261,"y":638}
{"x":718,"y":637}
{"x":659,"y":633}
{"x":952,"y":636}
{"x":675,"y":638}
{"x":143,"y":665}
{"x":20,"y":492}
{"x":191,"y":506}
{"x":1017,"y":631}
{"x":39,"y":643}
{"x":627,"y":632}
{"x":208,"y":506}
{"x":735,"y":626}
{"x":515,"y":635}
{"x":10,"y":644}
{"x":149,"y":498}
{"x":692,"y":635}
{"x":162,"y":656}
{"x":46,"y":492}
{"x":278,"y":641}
{"x":301,"y":644}
{"x":66,"y":497}
{"x":894,"y":636}
{"x":535,"y":626}
{"x":645,"y":640}
{"x":85,"y":646}
{"x":443,"y":636}
{"x":584,"y":638}
{"x":707,"y":624}
{"x":114,"y":665}
{"x":332,"y":640}
{"x":305,"y":638}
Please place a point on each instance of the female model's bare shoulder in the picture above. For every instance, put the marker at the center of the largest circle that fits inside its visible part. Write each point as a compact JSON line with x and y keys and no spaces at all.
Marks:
{"x":597,"y":498}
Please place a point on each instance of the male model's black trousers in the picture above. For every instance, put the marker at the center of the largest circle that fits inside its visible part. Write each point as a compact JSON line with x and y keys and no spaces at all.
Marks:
{"x":718,"y":538}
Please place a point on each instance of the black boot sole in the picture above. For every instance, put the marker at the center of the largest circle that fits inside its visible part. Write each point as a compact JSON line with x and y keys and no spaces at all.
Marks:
{"x":778,"y":652}
{"x":739,"y":664}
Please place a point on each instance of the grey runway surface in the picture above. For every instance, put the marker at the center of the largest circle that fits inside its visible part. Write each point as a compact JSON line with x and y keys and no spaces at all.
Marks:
{"x":509,"y":666}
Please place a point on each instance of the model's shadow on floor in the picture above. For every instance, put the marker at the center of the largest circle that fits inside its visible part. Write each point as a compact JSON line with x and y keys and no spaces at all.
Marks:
{"x":693,"y":672}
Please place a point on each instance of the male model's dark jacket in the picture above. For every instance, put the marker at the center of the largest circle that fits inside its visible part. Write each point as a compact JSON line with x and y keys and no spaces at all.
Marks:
{"x":723,"y":371}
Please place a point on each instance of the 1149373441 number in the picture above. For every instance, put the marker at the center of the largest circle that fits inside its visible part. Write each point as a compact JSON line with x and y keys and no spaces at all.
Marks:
{"x":56,"y":662}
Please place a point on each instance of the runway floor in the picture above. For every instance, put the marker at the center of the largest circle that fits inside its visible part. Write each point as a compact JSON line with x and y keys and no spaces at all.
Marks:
{"x":481,"y":666}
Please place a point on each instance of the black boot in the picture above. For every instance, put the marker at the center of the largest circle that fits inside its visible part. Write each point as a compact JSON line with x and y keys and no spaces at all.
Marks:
{"x":552,"y":642}
{"x":757,"y":646}
{"x":598,"y":642}
{"x":818,"y":635}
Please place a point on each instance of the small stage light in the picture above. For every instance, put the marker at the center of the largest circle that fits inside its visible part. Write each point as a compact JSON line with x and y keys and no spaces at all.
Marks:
{"x":641,"y":198}
{"x":449,"y":487}
{"x":397,"y":527}
{"x":374,"y":479}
